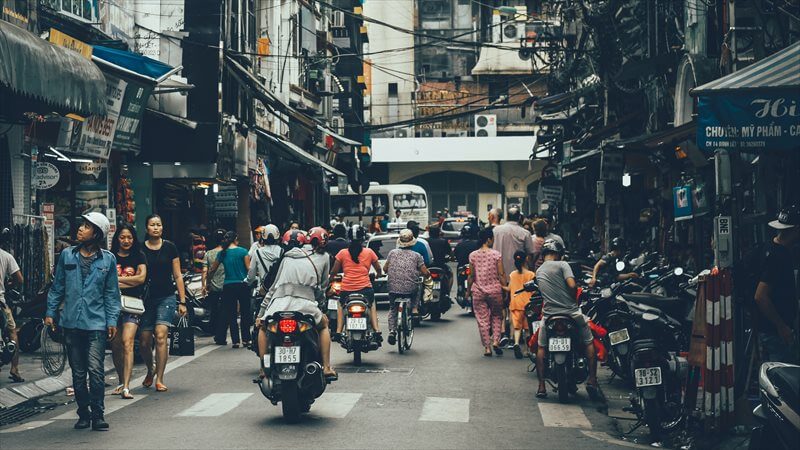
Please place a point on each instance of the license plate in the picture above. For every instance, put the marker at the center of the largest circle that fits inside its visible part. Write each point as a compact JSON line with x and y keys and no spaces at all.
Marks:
{"x":559,"y":344}
{"x":333,"y":304}
{"x":437,"y":284}
{"x":619,"y":336}
{"x":287,"y":355}
{"x":356,"y":323}
{"x":650,"y":376}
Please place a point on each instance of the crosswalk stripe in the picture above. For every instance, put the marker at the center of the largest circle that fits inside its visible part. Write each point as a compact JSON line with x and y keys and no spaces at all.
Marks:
{"x":563,"y":416}
{"x":27,"y":426}
{"x":111,"y":404}
{"x":439,"y":409}
{"x":334,"y":405}
{"x":173,"y":364}
{"x":215,"y":405}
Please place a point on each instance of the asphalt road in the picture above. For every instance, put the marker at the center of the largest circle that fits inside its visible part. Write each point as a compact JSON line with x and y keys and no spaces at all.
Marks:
{"x":443,"y":394}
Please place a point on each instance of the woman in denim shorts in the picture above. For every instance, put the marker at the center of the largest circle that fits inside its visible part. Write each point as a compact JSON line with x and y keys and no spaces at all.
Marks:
{"x":164,"y":275}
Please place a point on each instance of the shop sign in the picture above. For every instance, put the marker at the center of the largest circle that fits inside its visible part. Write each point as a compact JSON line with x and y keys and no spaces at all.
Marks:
{"x":749,"y":121}
{"x":48,"y":210}
{"x":682,"y":202}
{"x":45,"y":176}
{"x":111,"y":213}
{"x":252,"y":151}
{"x":64,"y":40}
{"x":91,"y":187}
{"x":127,"y":137}
{"x":96,"y":134}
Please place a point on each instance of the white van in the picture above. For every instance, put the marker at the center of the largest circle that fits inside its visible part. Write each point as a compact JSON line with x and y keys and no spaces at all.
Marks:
{"x":411,"y":200}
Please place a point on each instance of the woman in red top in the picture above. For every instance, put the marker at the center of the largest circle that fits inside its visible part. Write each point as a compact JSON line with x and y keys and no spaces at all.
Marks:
{"x":487,"y":281}
{"x":354,"y":262}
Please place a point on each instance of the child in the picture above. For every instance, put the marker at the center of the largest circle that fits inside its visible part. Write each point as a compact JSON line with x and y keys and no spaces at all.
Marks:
{"x":518,"y":301}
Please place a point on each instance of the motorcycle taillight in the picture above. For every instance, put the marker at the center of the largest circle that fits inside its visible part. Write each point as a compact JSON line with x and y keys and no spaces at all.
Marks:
{"x":560,"y":327}
{"x":287,"y":326}
{"x":435,"y":275}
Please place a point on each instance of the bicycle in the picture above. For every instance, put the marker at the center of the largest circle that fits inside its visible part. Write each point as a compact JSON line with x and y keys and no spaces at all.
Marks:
{"x":405,"y":324}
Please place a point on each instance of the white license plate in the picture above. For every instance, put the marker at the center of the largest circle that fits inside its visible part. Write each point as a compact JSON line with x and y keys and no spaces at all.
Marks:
{"x":437,"y":284}
{"x":650,"y":376}
{"x":356,"y":323}
{"x":619,"y":336}
{"x":559,"y":344}
{"x":333,"y":304}
{"x":287,"y":355}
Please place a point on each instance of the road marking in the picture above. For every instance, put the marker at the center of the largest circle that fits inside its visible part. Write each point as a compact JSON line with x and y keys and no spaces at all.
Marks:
{"x":215,"y":405}
{"x":438,"y":409}
{"x":563,"y":416}
{"x":178,"y":362}
{"x":27,"y":426}
{"x":112,"y":404}
{"x":603,"y":437}
{"x":334,"y":405}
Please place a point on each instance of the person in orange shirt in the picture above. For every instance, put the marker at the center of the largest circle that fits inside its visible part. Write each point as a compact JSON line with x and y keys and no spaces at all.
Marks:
{"x":517,"y":279}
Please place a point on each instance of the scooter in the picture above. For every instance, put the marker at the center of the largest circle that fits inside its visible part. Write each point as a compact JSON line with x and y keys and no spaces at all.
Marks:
{"x":462,"y":276}
{"x":199,"y":313}
{"x":778,"y":413}
{"x":293,"y":364}
{"x":332,"y":305}
{"x":440,"y":301}
{"x":357,"y":337}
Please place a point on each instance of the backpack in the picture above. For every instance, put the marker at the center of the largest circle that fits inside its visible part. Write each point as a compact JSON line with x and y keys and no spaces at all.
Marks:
{"x":272,"y":271}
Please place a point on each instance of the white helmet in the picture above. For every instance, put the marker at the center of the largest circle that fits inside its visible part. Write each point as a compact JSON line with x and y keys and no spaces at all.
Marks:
{"x":100,"y":221}
{"x":271,"y":231}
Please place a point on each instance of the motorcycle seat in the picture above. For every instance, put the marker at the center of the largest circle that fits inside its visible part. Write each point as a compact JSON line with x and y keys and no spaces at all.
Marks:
{"x":787,"y":380}
{"x":673,"y":306}
{"x":641,"y":344}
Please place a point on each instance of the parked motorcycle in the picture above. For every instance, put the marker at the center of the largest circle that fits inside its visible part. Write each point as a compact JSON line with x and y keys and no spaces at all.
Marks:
{"x":293,"y":365}
{"x":608,"y":310}
{"x":29,"y":316}
{"x":440,"y":301}
{"x":778,"y":413}
{"x":462,"y":277}
{"x":357,"y":337}
{"x":199,"y":313}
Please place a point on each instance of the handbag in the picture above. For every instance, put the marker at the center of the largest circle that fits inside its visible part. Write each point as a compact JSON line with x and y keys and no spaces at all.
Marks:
{"x":132,"y":305}
{"x":182,"y":343}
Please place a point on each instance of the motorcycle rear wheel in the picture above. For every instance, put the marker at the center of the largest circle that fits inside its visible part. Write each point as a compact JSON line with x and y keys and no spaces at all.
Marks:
{"x":290,"y":402}
{"x":561,"y":380}
{"x":357,"y":356}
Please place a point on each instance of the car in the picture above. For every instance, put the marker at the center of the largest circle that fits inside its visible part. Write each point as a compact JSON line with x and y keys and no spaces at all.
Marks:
{"x":451,"y":228}
{"x":382,"y":244}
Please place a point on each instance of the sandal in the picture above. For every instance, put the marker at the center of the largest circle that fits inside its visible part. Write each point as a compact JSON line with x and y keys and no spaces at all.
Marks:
{"x":487,"y":352}
{"x":126,"y":394}
{"x":161,"y":388}
{"x":148,"y":380}
{"x":498,"y":351}
{"x":117,"y":390}
{"x":331,"y":376}
{"x":15,"y":378}
{"x":541,"y":393}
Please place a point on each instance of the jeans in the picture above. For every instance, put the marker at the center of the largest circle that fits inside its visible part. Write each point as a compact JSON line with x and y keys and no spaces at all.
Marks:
{"x":233,"y":295}
{"x":86,"y":352}
{"x":213,"y":302}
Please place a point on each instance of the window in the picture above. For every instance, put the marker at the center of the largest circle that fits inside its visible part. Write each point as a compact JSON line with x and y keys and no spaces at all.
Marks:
{"x":382,"y":247}
{"x":80,"y":9}
{"x":392,"y":89}
{"x":410,"y":201}
{"x":350,"y":205}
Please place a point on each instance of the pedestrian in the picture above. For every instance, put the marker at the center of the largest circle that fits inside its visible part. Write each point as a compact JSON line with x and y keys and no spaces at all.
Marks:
{"x":422,"y":246}
{"x":494,"y":218}
{"x":212,"y":285}
{"x":398,"y":216}
{"x":10,"y":273}
{"x":539,"y":234}
{"x":132,"y":272}
{"x":375,"y":225}
{"x":235,"y":291}
{"x":86,"y":283}
{"x":517,"y":280}
{"x":776,"y":294}
{"x":257,"y":233}
{"x":163,"y":278}
{"x":487,"y":281}
{"x":403,"y":268}
{"x":385,"y":222}
{"x":263,"y":259}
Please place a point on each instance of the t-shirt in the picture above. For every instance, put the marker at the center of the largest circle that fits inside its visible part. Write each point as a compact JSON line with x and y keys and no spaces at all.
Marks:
{"x":86,"y":263}
{"x":233,"y":260}
{"x":778,"y":273}
{"x":552,"y":279}
{"x":356,"y":274}
{"x":403,"y":274}
{"x":419,"y":247}
{"x":484,"y":266}
{"x":8,"y":267}
{"x":440,"y":249}
{"x":516,"y":282}
{"x":463,"y":249}
{"x":510,"y":238}
{"x":159,"y":269}
{"x":538,"y":242}
{"x":127,"y":267}
{"x":215,"y":281}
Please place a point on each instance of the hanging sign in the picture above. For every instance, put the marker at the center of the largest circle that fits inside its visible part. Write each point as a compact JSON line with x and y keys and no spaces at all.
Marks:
{"x":682,"y":202}
{"x":45,"y":176}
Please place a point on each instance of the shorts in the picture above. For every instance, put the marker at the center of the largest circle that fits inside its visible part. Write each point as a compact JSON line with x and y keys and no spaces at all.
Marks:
{"x":160,"y":311}
{"x":129,"y":318}
{"x":774,"y":349}
{"x":296,"y":304}
{"x":580,"y":320}
{"x":11,"y":325}
{"x":519,"y":321}
{"x":368,"y":293}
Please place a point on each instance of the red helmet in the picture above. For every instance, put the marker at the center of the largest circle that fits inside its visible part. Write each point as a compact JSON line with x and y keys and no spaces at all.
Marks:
{"x":318,"y":234}
{"x":295,"y":238}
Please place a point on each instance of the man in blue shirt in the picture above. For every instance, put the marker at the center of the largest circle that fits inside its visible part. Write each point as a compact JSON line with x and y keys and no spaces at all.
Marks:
{"x":87,"y":285}
{"x":421,"y":246}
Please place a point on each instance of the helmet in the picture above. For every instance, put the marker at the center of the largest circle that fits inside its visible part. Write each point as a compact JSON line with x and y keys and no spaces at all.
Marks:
{"x":467,"y":232}
{"x":357,"y":233}
{"x":318,"y":237}
{"x":99,"y":220}
{"x":552,"y":246}
{"x":295,"y":238}
{"x":271,"y":231}
{"x":617,"y":244}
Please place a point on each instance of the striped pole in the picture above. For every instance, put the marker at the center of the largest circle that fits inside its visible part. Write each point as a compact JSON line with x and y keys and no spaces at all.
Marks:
{"x":718,"y":379}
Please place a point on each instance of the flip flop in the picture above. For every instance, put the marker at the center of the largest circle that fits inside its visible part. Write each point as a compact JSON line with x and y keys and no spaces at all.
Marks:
{"x":541,"y":394}
{"x":332,"y":376}
{"x":15,"y":378}
{"x":117,"y":390}
{"x":595,"y":393}
{"x":161,"y":388}
{"x":126,"y":394}
{"x":148,"y":380}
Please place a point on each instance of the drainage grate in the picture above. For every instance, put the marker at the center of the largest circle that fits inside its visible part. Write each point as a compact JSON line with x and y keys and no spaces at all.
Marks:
{"x":18,"y":414}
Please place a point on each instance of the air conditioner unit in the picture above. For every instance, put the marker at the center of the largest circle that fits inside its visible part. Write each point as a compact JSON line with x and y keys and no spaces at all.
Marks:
{"x":456,"y":133}
{"x":337,"y":124}
{"x":426,"y":133}
{"x":404,"y":132}
{"x":338,"y":19}
{"x":485,"y":125}
{"x":513,"y":32}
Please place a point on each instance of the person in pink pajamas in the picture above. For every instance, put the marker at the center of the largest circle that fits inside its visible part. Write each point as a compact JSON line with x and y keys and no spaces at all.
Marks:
{"x":487,"y":281}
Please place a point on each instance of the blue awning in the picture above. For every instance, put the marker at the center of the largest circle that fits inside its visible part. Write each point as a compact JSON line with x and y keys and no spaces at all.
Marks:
{"x":133,"y":64}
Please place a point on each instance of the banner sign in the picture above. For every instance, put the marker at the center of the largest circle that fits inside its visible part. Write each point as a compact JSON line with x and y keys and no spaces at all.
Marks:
{"x":129,"y":125}
{"x":749,"y":121}
{"x":96,"y":133}
{"x":682,"y":202}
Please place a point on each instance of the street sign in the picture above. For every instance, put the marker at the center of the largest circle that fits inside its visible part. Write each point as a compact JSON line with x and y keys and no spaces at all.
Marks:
{"x":723,"y":241}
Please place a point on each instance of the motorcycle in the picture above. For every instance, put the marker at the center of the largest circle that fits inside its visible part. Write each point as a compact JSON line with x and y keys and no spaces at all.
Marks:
{"x":462,"y":276}
{"x":357,"y":337}
{"x":199,"y":313}
{"x":778,"y":412}
{"x":440,"y":301}
{"x":293,"y":364}
{"x":29,"y":316}
{"x":608,"y":310}
{"x":332,"y":305}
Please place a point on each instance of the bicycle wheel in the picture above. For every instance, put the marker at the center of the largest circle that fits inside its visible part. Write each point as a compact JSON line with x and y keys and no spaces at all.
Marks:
{"x":409,"y":327}
{"x":401,"y":329}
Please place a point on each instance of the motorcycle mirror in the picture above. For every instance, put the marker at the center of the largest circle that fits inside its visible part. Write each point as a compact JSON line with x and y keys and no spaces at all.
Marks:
{"x":678,"y":271}
{"x":620,"y":266}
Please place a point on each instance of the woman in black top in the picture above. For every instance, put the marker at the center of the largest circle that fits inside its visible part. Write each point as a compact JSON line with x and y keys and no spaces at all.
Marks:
{"x":132,"y":271}
{"x":164,"y":269}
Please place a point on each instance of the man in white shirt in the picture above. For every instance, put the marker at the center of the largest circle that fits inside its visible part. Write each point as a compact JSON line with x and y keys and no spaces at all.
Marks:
{"x":9,"y":270}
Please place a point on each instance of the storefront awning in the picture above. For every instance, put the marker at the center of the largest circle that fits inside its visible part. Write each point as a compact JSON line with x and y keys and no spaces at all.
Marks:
{"x":33,"y":67}
{"x":655,"y":141}
{"x":779,"y":71}
{"x":298,"y":153}
{"x":499,"y":60}
{"x":133,"y":64}
{"x":338,"y":137}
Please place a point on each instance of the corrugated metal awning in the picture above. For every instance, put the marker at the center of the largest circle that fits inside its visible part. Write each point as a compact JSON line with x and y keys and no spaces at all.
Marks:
{"x":54,"y":75}
{"x":779,"y":71}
